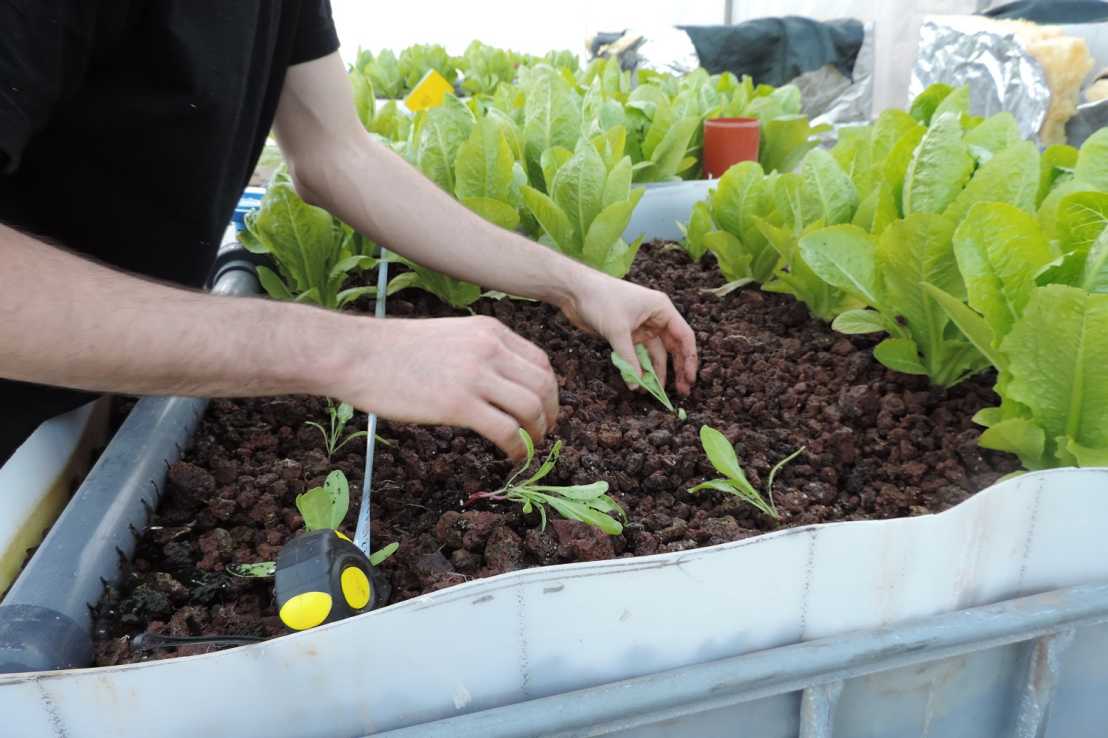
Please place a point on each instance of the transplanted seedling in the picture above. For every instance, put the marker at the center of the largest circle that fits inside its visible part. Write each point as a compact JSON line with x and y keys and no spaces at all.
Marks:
{"x":321,"y":507}
{"x":340,"y":415}
{"x":333,"y":439}
{"x":648,"y":380}
{"x":722,"y":455}
{"x":587,"y":503}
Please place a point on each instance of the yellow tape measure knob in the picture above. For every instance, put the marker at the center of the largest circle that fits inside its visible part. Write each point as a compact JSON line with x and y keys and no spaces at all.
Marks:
{"x":306,"y":610}
{"x":355,"y":587}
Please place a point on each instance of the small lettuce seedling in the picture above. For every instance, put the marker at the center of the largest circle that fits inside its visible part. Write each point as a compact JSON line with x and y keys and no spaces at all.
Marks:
{"x":332,"y":436}
{"x":648,"y":380}
{"x":321,"y":507}
{"x":722,"y":455}
{"x":586,"y":503}
{"x":326,"y":506}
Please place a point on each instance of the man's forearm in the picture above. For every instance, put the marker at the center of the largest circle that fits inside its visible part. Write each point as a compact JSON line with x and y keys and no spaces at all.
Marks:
{"x":70,"y":322}
{"x":338,"y":166}
{"x":428,"y":226}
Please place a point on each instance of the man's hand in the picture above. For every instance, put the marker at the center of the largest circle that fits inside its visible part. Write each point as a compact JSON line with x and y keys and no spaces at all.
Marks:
{"x":434,"y":373}
{"x":626,"y":314}
{"x":469,"y":372}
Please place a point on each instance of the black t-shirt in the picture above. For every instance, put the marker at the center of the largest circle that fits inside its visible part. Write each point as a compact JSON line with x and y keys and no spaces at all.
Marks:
{"x":128,"y":130}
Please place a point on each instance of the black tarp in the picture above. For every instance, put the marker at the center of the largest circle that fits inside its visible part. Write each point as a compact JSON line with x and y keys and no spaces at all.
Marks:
{"x":775,"y":51}
{"x":1065,"y":12}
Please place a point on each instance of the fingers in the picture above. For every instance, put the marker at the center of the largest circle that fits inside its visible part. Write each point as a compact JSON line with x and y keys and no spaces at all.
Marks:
{"x":625,"y":347}
{"x":680,"y":341}
{"x":518,"y":382}
{"x":500,"y":428}
{"x":659,"y":358}
{"x":520,"y":403}
{"x":519,"y":345}
{"x":541,"y":384}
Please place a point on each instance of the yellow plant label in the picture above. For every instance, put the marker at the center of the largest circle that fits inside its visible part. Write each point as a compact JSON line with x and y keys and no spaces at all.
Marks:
{"x":429,"y":92}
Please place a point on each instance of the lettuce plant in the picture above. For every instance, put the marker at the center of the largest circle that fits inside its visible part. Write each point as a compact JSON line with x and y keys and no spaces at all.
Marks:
{"x":386,"y":122}
{"x":415,"y":61}
{"x":315,"y":254}
{"x":741,"y":249}
{"x":889,"y":276}
{"x":1045,"y":341}
{"x":722,"y":456}
{"x":437,"y":136}
{"x":383,"y":71}
{"x":586,"y":503}
{"x":752,"y":223}
{"x":1053,"y":387}
{"x":456,"y":293}
{"x":648,"y":379}
{"x":488,"y":178}
{"x":333,"y":439}
{"x":589,"y":206}
{"x":552,"y":117}
{"x":484,"y":67}
{"x":326,"y":507}
{"x":322,"y":508}
{"x":609,"y":78}
{"x":659,"y":136}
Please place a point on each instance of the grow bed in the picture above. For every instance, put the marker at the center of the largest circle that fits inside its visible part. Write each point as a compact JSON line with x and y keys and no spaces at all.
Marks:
{"x":878,"y":445}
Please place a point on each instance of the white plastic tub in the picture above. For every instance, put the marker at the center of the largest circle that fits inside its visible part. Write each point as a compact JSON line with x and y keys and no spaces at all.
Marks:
{"x":663,"y":206}
{"x":38,"y":479}
{"x":541,"y":632}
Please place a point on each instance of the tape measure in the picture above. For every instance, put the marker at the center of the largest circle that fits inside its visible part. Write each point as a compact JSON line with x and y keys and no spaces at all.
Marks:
{"x":322,"y":577}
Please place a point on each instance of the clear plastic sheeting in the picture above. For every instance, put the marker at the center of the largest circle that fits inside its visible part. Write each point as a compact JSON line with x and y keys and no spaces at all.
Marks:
{"x":658,"y":48}
{"x":968,"y":50}
{"x":831,"y":97}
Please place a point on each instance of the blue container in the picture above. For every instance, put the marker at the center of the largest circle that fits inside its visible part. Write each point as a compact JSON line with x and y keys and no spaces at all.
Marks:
{"x":251,"y":200}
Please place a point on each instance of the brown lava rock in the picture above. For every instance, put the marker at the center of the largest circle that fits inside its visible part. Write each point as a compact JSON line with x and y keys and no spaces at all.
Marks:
{"x":773,"y":379}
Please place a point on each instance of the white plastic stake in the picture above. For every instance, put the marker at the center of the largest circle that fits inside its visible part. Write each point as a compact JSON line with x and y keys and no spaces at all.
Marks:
{"x":361,"y":533}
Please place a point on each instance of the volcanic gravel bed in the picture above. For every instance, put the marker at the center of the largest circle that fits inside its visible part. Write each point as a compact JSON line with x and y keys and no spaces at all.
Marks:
{"x":772,"y":379}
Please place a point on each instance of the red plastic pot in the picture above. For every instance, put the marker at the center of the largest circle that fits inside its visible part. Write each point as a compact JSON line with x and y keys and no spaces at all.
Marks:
{"x":728,"y":141}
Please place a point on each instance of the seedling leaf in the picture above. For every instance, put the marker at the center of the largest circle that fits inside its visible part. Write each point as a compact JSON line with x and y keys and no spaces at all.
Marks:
{"x":648,"y":380}
{"x":586,"y":503}
{"x":326,"y":506}
{"x":260,"y":570}
{"x":722,"y":456}
{"x":378,"y":557}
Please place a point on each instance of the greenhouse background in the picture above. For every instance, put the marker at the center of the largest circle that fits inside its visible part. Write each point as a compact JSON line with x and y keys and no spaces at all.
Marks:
{"x":651,"y":369}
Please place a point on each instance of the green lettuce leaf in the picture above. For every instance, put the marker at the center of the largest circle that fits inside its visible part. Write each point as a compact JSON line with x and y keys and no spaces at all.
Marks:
{"x":999,"y":249}
{"x":1057,"y":352}
{"x":939,"y":169}
{"x":1011,"y":176}
{"x":830,"y":186}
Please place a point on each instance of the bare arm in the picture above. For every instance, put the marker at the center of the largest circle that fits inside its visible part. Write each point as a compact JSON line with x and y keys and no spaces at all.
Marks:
{"x":109,"y":331}
{"x":113,"y":332}
{"x":337,"y":165}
